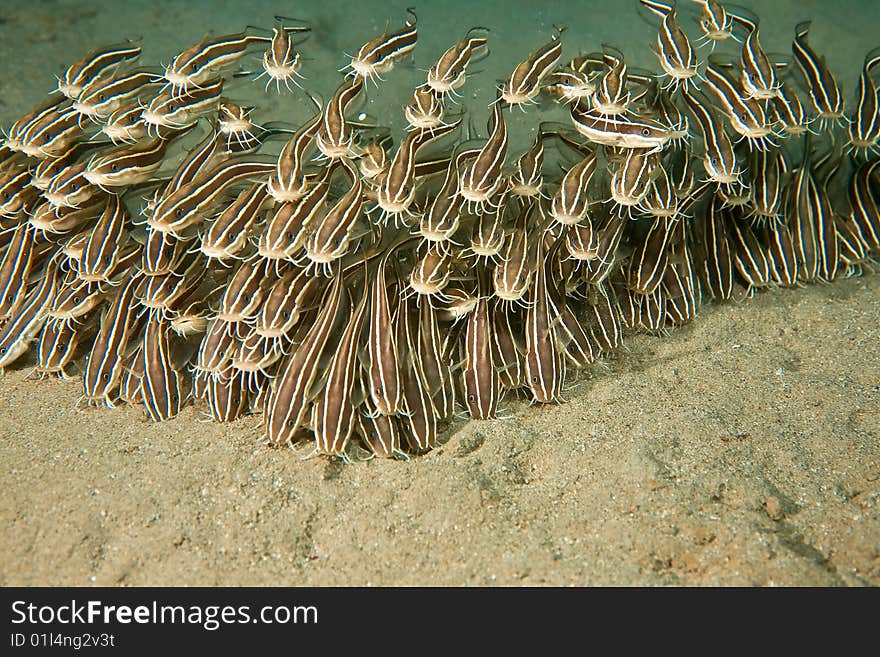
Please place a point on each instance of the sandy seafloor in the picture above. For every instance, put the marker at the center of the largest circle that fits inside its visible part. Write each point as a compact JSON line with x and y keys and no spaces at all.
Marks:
{"x":740,"y":450}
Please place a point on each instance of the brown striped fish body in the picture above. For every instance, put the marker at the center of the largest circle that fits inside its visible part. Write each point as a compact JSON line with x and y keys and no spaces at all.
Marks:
{"x":192,"y":68}
{"x":578,"y":345}
{"x":163,"y":387}
{"x":648,"y":261}
{"x":379,"y":55}
{"x":44,"y":113}
{"x":334,"y":412}
{"x":380,"y":433}
{"x":76,"y":300}
{"x":124,"y":125}
{"x":827,"y":234}
{"x":103,"y":248}
{"x":283,"y":234}
{"x":481,"y":178}
{"x":227,"y":236}
{"x":168,"y":111}
{"x":612,"y":95}
{"x":651,"y":312}
{"x":70,"y":189}
{"x":288,"y":402}
{"x":425,"y":109}
{"x":419,"y":422}
{"x":16,"y":193}
{"x":746,"y":115}
{"x":194,"y":165}
{"x":96,"y":64}
{"x":155,"y":290}
{"x":865,"y":202}
{"x":525,"y":81}
{"x":214,"y":354}
{"x":167,"y":294}
{"x":489,"y":235}
{"x":227,"y":396}
{"x":715,"y":22}
{"x":768,"y":171}
{"x":864,"y":129}
{"x":719,"y":159}
{"x":512,"y":274}
{"x":608,"y":234}
{"x":748,"y":253}
{"x":545,"y":364}
{"x":418,"y":425}
{"x":570,"y":203}
{"x":129,"y":165}
{"x":120,"y":324}
{"x":255,"y":355}
{"x":130,"y":385}
{"x":374,"y":162}
{"x":789,"y":111}
{"x":429,"y":349}
{"x":334,"y":138}
{"x":281,"y":61}
{"x":482,"y":385}
{"x":441,"y":221}
{"x":335,"y":230}
{"x":288,"y":228}
{"x":717,"y":271}
{"x":449,"y":73}
{"x":507,"y":348}
{"x":244,"y":293}
{"x":57,"y":348}
{"x":527,"y":178}
{"x":681,"y":290}
{"x":105,"y":95}
{"x":781,"y":255}
{"x":758,"y":78}
{"x":805,"y":221}
{"x":606,"y":329}
{"x":162,"y":253}
{"x":288,"y":182}
{"x":15,"y":269}
{"x":661,"y":201}
{"x":73,"y":301}
{"x":285,"y":301}
{"x":193,"y":201}
{"x":72,"y":248}
{"x":620,"y":131}
{"x":674,"y":51}
{"x":853,"y":247}
{"x":430,"y":274}
{"x":383,"y":380}
{"x":825,"y":92}
{"x":49,"y":168}
{"x":682,"y":175}
{"x":53,"y":135}
{"x":631,"y":181}
{"x":397,"y":191}
{"x":627,"y":307}
{"x":26,"y":322}
{"x":582,"y":241}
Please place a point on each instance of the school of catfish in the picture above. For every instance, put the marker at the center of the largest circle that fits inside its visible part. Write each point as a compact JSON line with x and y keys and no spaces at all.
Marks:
{"x":359,"y":288}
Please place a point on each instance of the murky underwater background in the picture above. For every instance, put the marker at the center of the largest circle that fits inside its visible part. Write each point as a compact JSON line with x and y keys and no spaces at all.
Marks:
{"x":40,"y":39}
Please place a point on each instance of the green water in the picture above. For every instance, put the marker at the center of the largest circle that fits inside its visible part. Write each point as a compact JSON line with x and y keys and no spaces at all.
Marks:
{"x":39,"y":39}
